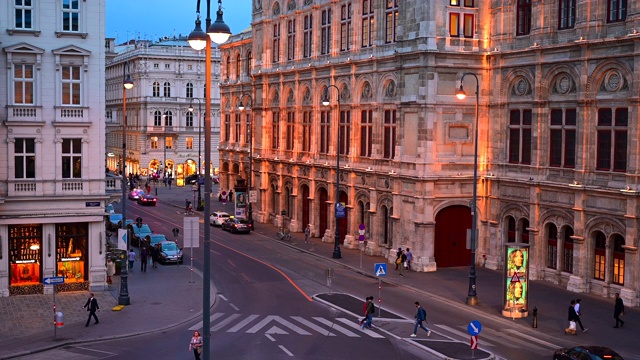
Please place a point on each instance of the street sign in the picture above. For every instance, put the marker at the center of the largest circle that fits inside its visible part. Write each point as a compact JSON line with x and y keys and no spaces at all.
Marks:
{"x":361,"y":229}
{"x":380,"y":269}
{"x":54,"y":280}
{"x":474,"y":342}
{"x":341,"y":211}
{"x":191,"y":229}
{"x":92,"y":204}
{"x":515,"y":278}
{"x":122,"y":239}
{"x":474,"y":328}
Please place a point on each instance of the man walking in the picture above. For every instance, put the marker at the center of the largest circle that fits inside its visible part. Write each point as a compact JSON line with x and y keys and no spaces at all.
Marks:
{"x":369,"y":313}
{"x":421,"y":315}
{"x":577,"y":308}
{"x":307,"y":233}
{"x":132,"y":259}
{"x":618,"y":311}
{"x":571,"y":316}
{"x":92,"y":307}
{"x":409,"y":259}
{"x":144,"y":258}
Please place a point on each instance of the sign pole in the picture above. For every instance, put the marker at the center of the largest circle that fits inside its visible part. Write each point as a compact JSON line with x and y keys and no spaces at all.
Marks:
{"x":379,"y":297}
{"x":55,"y":324}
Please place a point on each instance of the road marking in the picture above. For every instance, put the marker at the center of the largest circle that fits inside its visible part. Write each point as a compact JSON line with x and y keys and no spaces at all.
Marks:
{"x":511,"y":341}
{"x":234,"y":307}
{"x":243,"y":323}
{"x":269,"y":337}
{"x":539,"y":341}
{"x":462,"y":334}
{"x":285,"y":350}
{"x":223,"y":298}
{"x":224,"y":322}
{"x":313,"y":326}
{"x":282,"y":321}
{"x":336,"y":327}
{"x":351,"y":324}
{"x":198,"y":326}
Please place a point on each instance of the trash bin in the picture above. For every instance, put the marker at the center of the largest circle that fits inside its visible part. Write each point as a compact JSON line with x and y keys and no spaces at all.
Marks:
{"x":59,"y":319}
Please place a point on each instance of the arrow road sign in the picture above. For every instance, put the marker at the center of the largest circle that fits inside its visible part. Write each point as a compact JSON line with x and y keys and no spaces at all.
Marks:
{"x":474,"y":328}
{"x":474,"y":342}
{"x":380,"y":269}
{"x":54,"y":280}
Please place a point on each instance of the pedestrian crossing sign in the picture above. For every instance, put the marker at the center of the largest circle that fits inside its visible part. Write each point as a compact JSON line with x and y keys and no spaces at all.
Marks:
{"x":380,"y":269}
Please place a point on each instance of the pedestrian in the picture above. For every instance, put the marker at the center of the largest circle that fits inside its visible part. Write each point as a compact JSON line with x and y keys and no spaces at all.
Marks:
{"x":144,"y":258}
{"x":403,"y":261}
{"x":571,"y":316}
{"x":421,"y":315}
{"x":578,"y":314}
{"x":92,"y":307}
{"x":164,"y":179}
{"x":155,"y":256}
{"x":618,"y":311}
{"x":195,"y":344}
{"x":398,"y":256}
{"x":132,"y":259}
{"x":170,"y":181}
{"x":409,"y":259}
{"x":364,"y":310}
{"x":369,"y":313}
{"x":111,"y":269}
{"x":307,"y":233}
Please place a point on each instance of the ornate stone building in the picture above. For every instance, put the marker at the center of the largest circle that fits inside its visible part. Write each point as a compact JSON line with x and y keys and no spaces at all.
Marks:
{"x":558,"y":156}
{"x":163,"y":134}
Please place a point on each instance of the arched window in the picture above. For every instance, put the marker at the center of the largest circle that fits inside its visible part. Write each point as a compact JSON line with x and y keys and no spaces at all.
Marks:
{"x":552,"y":246}
{"x":238,"y":62}
{"x":168,"y":118}
{"x":247,"y":67}
{"x":189,"y":90}
{"x":600,"y":256}
{"x":189,"y":119}
{"x":156,"y":89}
{"x":524,"y":231}
{"x":511,"y":229}
{"x":567,"y":250}
{"x":618,"y":259}
{"x":227,"y":72}
{"x":157,"y":118}
{"x":167,"y":89}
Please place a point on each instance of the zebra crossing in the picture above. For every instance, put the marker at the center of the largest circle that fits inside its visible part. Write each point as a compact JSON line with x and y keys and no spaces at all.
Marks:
{"x":286,"y":325}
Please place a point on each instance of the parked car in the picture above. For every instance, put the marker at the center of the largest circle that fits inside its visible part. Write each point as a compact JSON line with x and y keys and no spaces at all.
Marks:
{"x":153,"y":239}
{"x":109,"y":209}
{"x":236,"y":225}
{"x":127,"y":223}
{"x":191,"y":179}
{"x":170,"y":252}
{"x":218,"y":217}
{"x":114,"y":221}
{"x":586,"y":352}
{"x":147,"y":199}
{"x":135,"y":194}
{"x":138,"y":233}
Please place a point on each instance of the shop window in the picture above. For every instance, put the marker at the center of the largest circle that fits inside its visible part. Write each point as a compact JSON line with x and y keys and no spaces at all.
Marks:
{"x":25,"y":254}
{"x":71,"y":252}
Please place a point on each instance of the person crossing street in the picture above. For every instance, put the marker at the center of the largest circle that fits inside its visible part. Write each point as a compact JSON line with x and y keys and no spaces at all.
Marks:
{"x":421,"y":315}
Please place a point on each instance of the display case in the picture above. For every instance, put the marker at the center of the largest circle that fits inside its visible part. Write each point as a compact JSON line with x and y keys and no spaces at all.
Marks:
{"x":25,"y":254}
{"x":71,"y":252}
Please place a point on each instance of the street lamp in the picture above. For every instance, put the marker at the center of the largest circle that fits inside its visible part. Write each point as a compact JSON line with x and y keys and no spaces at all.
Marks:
{"x":199,"y":207}
{"x":127,"y":83}
{"x":336,"y":245}
{"x":218,"y":32}
{"x":472,"y":296}
{"x":250,"y":134}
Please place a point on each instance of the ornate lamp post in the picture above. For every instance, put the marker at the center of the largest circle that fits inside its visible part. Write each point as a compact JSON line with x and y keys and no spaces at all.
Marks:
{"x":336,"y":246}
{"x":218,"y":32}
{"x":127,"y":83}
{"x":241,"y":107}
{"x":472,"y":296}
{"x":199,"y":207}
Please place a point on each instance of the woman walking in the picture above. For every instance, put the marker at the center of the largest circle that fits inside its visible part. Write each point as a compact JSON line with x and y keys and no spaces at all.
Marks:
{"x":196,"y":344}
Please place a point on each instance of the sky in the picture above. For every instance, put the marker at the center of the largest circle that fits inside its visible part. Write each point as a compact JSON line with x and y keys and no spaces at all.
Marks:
{"x":153,"y":19}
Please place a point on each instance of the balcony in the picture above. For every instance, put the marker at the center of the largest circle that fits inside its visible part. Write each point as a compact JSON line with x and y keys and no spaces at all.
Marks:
{"x":71,"y":114}
{"x":24,"y":113}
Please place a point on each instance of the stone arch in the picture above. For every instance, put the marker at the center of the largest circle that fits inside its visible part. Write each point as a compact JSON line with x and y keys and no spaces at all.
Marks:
{"x":364,"y":87}
{"x":559,"y":218}
{"x":290,"y":95}
{"x":554,"y":80}
{"x":274,"y":96}
{"x":383,"y":85}
{"x":608,"y":226}
{"x":275,"y":9}
{"x":306,"y":94}
{"x":599,"y":73}
{"x":510,"y":80}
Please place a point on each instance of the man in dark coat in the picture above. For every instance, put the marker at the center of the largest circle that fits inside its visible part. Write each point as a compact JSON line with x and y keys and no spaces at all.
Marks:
{"x":92,"y":307}
{"x":618,"y":311}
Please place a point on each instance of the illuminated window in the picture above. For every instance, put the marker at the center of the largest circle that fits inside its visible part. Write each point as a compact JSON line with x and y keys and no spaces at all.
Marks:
{"x":345,"y":27}
{"x":154,"y":142}
{"x":25,"y":254}
{"x":189,"y":143}
{"x":368,"y":23}
{"x":618,"y":260}
{"x":23,"y":84}
{"x":168,"y":143}
{"x":600,"y":253}
{"x":71,"y":85}
{"x":391,"y":21}
{"x":72,"y":242}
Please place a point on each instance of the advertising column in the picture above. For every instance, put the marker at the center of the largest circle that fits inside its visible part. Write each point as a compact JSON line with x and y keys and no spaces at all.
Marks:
{"x":516,"y":284}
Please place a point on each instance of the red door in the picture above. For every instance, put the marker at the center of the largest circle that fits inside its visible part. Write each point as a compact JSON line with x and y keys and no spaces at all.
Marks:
{"x":450,"y":245}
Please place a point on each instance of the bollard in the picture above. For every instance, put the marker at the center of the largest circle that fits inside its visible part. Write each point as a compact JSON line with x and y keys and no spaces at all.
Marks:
{"x":59,"y":319}
{"x":535,"y":317}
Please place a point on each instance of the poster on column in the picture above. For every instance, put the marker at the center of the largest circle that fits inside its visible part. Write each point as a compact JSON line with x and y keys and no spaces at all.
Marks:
{"x":516,"y":281}
{"x":241,"y":205}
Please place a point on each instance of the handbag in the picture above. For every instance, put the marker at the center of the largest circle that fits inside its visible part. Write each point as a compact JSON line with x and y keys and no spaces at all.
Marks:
{"x":572,"y":325}
{"x":199,"y":350}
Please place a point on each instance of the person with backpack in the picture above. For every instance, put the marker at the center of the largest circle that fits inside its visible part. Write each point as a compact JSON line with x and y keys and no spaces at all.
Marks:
{"x":365,"y":305}
{"x":403,"y":260}
{"x":421,"y":315}
{"x":369,"y":313}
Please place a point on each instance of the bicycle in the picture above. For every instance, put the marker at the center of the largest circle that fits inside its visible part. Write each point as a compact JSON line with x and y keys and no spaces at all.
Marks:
{"x":283,"y":236}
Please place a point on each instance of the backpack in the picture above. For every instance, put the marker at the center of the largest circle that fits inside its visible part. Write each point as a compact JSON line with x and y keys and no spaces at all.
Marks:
{"x":399,"y":260}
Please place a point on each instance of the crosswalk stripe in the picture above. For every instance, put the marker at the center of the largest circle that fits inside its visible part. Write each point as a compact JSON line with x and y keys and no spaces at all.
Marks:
{"x":224,"y":322}
{"x":198,"y":326}
{"x":531,"y":338}
{"x":335,"y":327}
{"x":282,"y":321}
{"x":313,"y":326}
{"x":350,"y":323}
{"x":461,"y":334}
{"x":243,"y":323}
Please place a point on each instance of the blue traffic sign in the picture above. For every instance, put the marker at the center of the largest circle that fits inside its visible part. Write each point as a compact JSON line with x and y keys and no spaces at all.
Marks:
{"x":474,"y":328}
{"x":380,"y":269}
{"x":54,"y":280}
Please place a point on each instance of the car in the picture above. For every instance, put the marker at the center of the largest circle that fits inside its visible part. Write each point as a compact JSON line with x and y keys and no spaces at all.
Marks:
{"x":170,"y":252}
{"x":191,"y":179}
{"x":138,"y":233}
{"x":126,"y":223}
{"x":109,"y":209}
{"x":218,"y":217}
{"x":216,"y":180}
{"x":236,"y":225}
{"x":586,"y":352}
{"x":153,"y":239}
{"x":147,"y":199}
{"x":135,"y":194}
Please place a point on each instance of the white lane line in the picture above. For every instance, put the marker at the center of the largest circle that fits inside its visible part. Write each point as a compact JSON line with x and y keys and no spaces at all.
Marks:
{"x":285,"y":350}
{"x":509,"y":340}
{"x":223,"y":298}
{"x":351,"y":324}
{"x":269,"y":337}
{"x":313,"y":326}
{"x":224,"y":322}
{"x":243,"y":323}
{"x":462,"y":334}
{"x":234,"y":307}
{"x":336,"y":327}
{"x":94,"y":350}
{"x":280,"y":320}
{"x":539,"y":341}
{"x":198,"y":326}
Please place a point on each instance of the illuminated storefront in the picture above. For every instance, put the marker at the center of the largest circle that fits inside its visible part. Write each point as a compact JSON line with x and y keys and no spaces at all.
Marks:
{"x":25,"y":251}
{"x":71,"y":252}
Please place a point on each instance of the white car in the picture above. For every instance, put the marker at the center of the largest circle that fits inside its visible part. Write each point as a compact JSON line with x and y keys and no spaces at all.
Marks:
{"x":218,"y":217}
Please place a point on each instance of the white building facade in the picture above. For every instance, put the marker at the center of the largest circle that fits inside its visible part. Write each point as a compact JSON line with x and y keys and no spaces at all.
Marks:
{"x":52,"y":180}
{"x":164,"y":136}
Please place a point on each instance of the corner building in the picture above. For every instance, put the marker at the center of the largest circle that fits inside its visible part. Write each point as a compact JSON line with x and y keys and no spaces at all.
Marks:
{"x":52,"y":181}
{"x":558,"y":156}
